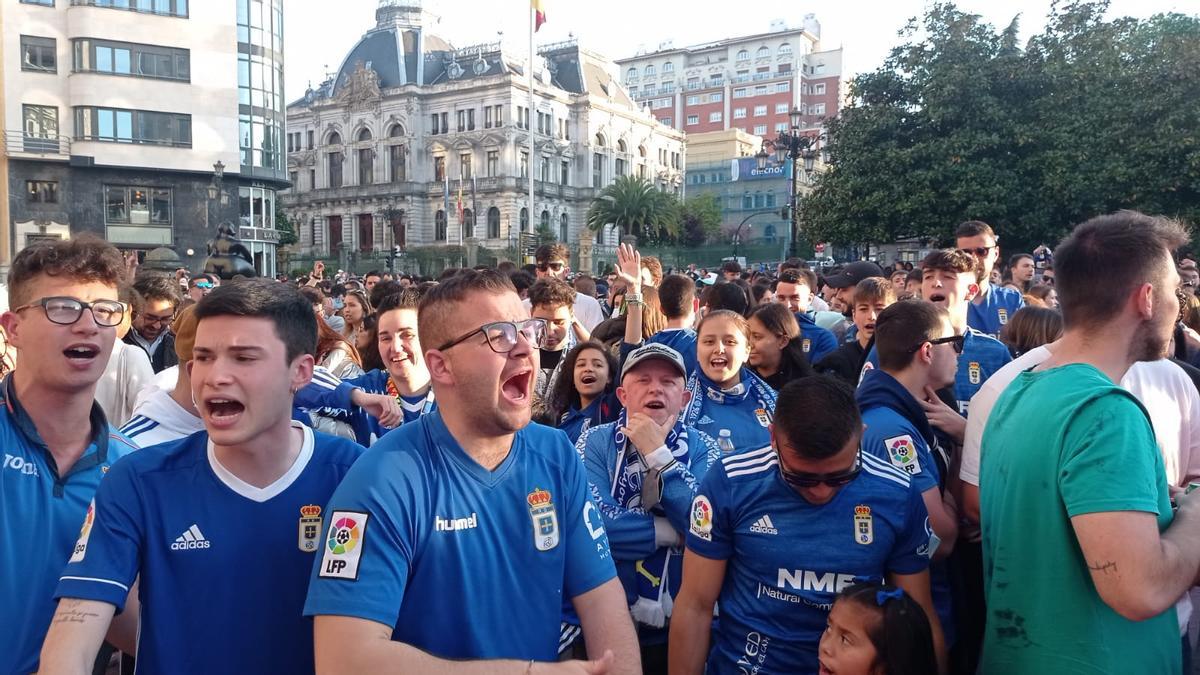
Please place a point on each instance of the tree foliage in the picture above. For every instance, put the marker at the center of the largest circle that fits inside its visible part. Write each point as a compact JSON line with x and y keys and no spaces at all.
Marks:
{"x":961,"y":122}
{"x":286,"y":229}
{"x":699,"y":219}
{"x":637,"y":208}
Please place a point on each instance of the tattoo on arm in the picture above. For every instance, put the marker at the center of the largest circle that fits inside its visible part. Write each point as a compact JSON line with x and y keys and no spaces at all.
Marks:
{"x":69,"y":612}
{"x":1105,"y":567}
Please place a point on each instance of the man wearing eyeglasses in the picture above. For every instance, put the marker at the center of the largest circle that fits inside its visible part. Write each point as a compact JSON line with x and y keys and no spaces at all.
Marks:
{"x":57,"y":445}
{"x":992,"y":306}
{"x":776,"y":533}
{"x":918,"y":355}
{"x":458,"y":536}
{"x":553,"y":262}
{"x":151,"y":326}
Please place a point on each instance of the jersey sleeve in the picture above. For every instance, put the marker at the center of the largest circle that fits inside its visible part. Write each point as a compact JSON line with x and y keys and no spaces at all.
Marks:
{"x":902,"y":446}
{"x":630,"y":531}
{"x":589,"y":561}
{"x":1110,"y":461}
{"x":104,"y":562}
{"x":710,"y":523}
{"x":916,"y":543}
{"x":369,"y":543}
{"x":824,"y":343}
{"x":681,"y":482}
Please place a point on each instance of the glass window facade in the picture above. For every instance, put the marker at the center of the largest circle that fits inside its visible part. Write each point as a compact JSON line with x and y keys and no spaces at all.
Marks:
{"x":133,"y":126}
{"x":138,"y":215}
{"x":260,"y":87}
{"x":125,"y":58}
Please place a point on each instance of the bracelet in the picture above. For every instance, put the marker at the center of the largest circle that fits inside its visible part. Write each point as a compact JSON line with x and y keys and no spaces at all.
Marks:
{"x":634,"y":298}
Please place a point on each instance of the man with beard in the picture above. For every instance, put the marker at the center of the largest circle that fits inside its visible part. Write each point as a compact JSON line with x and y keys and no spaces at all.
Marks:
{"x":458,"y":536}
{"x":152,"y":324}
{"x":1074,"y":499}
{"x":553,"y":262}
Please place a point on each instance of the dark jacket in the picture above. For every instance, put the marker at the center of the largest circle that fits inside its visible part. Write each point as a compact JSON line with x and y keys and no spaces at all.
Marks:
{"x":164,"y":357}
{"x":845,"y":362}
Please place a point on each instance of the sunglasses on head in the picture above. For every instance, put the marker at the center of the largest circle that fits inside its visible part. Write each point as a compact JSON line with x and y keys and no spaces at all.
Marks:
{"x":800,"y":479}
{"x":556,"y":266}
{"x":978,"y":251}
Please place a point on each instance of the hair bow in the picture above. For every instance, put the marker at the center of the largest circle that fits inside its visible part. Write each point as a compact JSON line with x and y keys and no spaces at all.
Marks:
{"x":881,"y":596}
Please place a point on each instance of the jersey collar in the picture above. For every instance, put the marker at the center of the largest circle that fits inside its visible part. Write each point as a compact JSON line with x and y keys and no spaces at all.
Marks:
{"x":25,"y":426}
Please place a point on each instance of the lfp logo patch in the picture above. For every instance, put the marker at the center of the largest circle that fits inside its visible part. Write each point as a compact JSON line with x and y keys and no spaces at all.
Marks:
{"x":85,"y":533}
{"x":903,"y":453}
{"x":701,"y":520}
{"x":344,"y":545}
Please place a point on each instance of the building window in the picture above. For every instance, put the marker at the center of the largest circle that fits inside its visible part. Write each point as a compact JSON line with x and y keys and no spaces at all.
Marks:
{"x":660,"y":103}
{"x":138,"y":60}
{"x":524,"y":220}
{"x":667,"y":121}
{"x":464,"y":166}
{"x":44,"y":3}
{"x":716,"y":97}
{"x":816,"y":109}
{"x":666,"y":87}
{"x":693,"y":119}
{"x":760,"y":129}
{"x":439,"y":168}
{"x":493,"y":163}
{"x":818,"y":88}
{"x":564,"y":226}
{"x":366,"y":232}
{"x":693,"y":82}
{"x":38,"y":54}
{"x":334,"y":231}
{"x":366,"y":166}
{"x":760,"y":110}
{"x":493,"y":223}
{"x":770,"y":200}
{"x":783,"y":68}
{"x":498,"y":118}
{"x":781,"y":127}
{"x":743,"y":55}
{"x":747,"y":201}
{"x":396,"y":164}
{"x":524,"y":168}
{"x":433,"y":125}
{"x":693,"y":100}
{"x":42,"y":191}
{"x":649,"y":72}
{"x":439,"y":226}
{"x":760,"y":90}
{"x":335,"y":169}
{"x":714,"y":117}
{"x":785,"y":49}
{"x":309,"y":140}
{"x":739,"y":93}
{"x":487,"y":117}
{"x":564,"y":173}
{"x":40,"y":128}
{"x":783,"y":87}
{"x":164,"y":7}
{"x":132,"y":126}
{"x":544,"y":170}
{"x":668,"y":67}
{"x":762,"y":53}
{"x":620,"y":167}
{"x":597,"y":170}
{"x":781,"y":108}
{"x":468,"y":223}
{"x":631,"y":75}
{"x":138,"y":215}
{"x":739,"y":113}
{"x":545,"y":221}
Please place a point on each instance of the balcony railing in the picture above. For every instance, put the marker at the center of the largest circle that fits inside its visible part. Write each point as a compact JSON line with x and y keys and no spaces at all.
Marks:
{"x":23,"y":143}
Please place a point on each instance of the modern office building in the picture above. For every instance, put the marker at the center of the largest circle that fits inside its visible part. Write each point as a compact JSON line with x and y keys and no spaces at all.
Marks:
{"x":148,"y":122}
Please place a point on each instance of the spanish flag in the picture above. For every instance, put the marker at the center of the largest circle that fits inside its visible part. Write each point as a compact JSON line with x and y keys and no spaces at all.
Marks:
{"x":461,"y":215}
{"x":539,"y":14}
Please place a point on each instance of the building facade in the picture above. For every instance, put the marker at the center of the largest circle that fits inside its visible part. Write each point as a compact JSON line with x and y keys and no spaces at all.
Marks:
{"x":147,"y":122}
{"x":417,"y":143}
{"x":752,"y":200}
{"x":749,"y":83}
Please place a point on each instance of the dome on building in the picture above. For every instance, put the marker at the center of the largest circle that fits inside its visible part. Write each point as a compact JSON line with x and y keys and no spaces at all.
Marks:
{"x":395,"y":49}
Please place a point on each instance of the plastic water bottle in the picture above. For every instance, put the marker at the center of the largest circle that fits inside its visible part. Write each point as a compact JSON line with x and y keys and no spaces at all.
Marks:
{"x":725,"y":442}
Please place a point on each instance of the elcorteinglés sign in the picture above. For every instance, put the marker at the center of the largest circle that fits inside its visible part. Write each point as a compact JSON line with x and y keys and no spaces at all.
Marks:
{"x":746,"y":168}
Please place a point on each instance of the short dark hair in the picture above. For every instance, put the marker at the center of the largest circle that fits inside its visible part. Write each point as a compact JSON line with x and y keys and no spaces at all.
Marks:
{"x":440,"y":301}
{"x":383,"y":289}
{"x":153,"y":287}
{"x":313,"y":295}
{"x":287,"y":309}
{"x":521,"y":280}
{"x":952,"y":260}
{"x":974,"y":228}
{"x":1125,"y":248}
{"x":85,"y":258}
{"x":372,"y":273}
{"x":817,"y":416}
{"x":725,"y":295}
{"x":874,"y":289}
{"x":506,"y":266}
{"x":731,"y":266}
{"x":799,"y":276}
{"x":405,"y":298}
{"x":902,"y":326}
{"x":677,"y":295}
{"x":586,"y":285}
{"x":791,"y":264}
{"x":127,"y":294}
{"x":551,"y":293}
{"x":552,"y":252}
{"x":1018,"y":257}
{"x":914,"y":274}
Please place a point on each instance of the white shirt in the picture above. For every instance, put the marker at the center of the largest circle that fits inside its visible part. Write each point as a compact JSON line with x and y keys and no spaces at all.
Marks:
{"x":128,"y":370}
{"x":587,"y":310}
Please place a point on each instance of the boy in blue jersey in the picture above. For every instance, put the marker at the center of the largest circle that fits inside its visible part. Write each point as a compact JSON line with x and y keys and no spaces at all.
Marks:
{"x":458,"y":536}
{"x":644,"y":470}
{"x":57,"y":444}
{"x":775,"y":534}
{"x":795,"y":288}
{"x":918,"y":354}
{"x":993,"y":305}
{"x":677,"y":298}
{"x":233,"y":512}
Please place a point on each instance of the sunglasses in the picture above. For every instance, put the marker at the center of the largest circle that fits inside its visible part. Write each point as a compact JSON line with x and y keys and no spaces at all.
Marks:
{"x":556,"y":266}
{"x":836,"y":479}
{"x":502,"y":335}
{"x":955,"y":340}
{"x":65,"y":311}
{"x":979,"y":251}
{"x":206,"y":285}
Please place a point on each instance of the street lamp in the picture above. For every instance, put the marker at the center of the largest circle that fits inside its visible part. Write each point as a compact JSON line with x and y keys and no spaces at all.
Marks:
{"x":214,"y":189}
{"x":791,"y":145}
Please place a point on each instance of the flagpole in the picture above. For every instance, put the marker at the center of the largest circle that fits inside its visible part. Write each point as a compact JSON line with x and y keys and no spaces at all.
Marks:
{"x":529,"y":111}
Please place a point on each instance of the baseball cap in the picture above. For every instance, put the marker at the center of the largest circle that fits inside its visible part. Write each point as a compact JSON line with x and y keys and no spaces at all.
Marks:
{"x":650,"y":352}
{"x":853,"y":273}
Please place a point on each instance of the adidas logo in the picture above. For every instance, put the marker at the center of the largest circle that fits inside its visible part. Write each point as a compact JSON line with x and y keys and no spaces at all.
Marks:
{"x":192,"y":538}
{"x":764,"y":526}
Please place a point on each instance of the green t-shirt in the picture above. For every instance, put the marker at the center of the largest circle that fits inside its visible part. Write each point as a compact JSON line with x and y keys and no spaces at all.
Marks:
{"x":1061,"y":443}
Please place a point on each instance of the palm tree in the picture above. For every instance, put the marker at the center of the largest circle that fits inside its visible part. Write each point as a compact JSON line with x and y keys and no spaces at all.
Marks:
{"x":636,"y":207}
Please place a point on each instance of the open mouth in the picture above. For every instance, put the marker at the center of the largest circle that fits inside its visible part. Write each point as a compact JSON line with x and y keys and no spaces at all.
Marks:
{"x":656,"y":405}
{"x":588,"y":378}
{"x":516,"y":388}
{"x":869,"y":326}
{"x":825,"y":669}
{"x":937,"y":297}
{"x":719,"y":362}
{"x":224,"y":409}
{"x":81,"y":352}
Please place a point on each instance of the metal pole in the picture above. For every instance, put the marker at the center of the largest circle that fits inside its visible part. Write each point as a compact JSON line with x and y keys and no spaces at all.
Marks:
{"x":793,"y":217}
{"x":529,"y":164}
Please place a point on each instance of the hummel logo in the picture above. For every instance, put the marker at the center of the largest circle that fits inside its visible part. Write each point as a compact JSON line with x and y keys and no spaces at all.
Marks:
{"x":764,"y":526}
{"x":441,"y":524}
{"x":192,"y":538}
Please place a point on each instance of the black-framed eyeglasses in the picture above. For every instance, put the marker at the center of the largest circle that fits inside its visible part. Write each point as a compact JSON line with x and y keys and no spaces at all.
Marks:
{"x":556,"y":266}
{"x":955,"y":340}
{"x":64,"y":310}
{"x":502,"y":335}
{"x":978,"y":251}
{"x":810,"y":480}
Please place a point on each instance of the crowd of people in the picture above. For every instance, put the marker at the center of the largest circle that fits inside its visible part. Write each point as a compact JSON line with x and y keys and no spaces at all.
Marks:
{"x":952,"y":466}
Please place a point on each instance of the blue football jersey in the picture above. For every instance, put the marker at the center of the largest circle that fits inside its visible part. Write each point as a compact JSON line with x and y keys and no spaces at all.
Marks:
{"x":682,"y":340}
{"x":223,"y":565}
{"x":40,"y":513}
{"x":981,"y":357}
{"x":991,"y":314}
{"x":787,"y":559}
{"x":745,"y":416}
{"x":815,"y":341}
{"x":462,"y":562}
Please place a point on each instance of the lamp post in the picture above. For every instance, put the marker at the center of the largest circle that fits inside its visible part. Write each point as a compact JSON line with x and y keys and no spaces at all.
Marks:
{"x":791,"y":146}
{"x":213,"y":189}
{"x":737,"y":234}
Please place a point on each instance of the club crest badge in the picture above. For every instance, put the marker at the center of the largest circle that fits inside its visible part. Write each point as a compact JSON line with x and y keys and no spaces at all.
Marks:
{"x":1003,"y":314}
{"x":974,"y":373}
{"x":763,"y":417}
{"x":545,"y":519}
{"x":310,"y":527}
{"x":806,"y":345}
{"x":902,"y":453}
{"x":864,"y":529}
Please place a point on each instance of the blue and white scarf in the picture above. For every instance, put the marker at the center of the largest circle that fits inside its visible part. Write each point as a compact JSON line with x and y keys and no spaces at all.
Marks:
{"x":703,"y":388}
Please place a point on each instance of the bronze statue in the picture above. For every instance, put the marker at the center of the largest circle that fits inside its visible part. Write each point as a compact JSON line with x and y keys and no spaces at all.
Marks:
{"x":227,"y":256}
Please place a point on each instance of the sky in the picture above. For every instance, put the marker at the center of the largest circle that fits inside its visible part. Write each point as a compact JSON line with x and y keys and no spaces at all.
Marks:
{"x":319,"y":33}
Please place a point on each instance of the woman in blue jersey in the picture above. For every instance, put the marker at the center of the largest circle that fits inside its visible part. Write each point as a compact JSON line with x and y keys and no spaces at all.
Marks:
{"x":586,"y":398}
{"x":728,"y":399}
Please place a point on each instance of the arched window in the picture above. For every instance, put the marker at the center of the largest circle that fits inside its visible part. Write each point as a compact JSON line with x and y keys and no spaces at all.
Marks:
{"x":762,"y":53}
{"x":334,"y":139}
{"x":785,"y":49}
{"x":649,"y":72}
{"x":468,"y":223}
{"x":396,"y":131}
{"x":621,"y":145}
{"x":563,"y":229}
{"x":642,"y":151}
{"x":493,"y":223}
{"x":743,"y":55}
{"x":524,"y":219}
{"x":364,"y":134}
{"x":668,"y":67}
{"x":545,"y":220}
{"x":439,"y":226}
{"x":631,"y":74}
{"x":600,"y":142}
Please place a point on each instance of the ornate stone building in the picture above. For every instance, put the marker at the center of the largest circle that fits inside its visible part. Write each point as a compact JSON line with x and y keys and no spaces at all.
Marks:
{"x":385,"y":152}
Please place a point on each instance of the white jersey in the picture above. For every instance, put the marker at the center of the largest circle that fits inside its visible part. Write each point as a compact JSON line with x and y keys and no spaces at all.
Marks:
{"x":159,"y":419}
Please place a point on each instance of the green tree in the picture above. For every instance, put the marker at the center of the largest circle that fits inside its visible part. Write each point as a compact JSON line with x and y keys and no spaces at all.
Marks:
{"x":286,"y":229}
{"x":636,"y":207}
{"x":699,"y":219}
{"x":962,"y":123}
{"x":544,"y":234}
